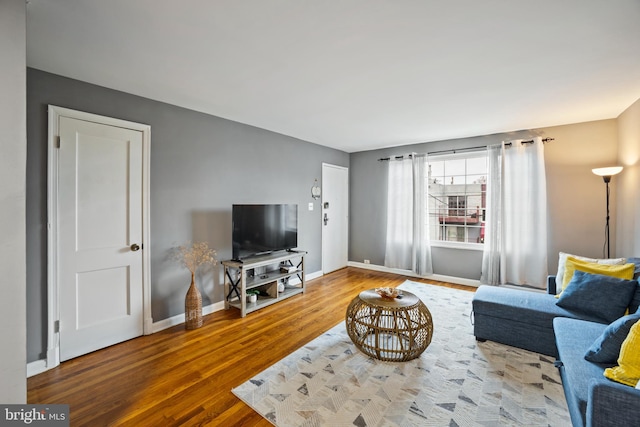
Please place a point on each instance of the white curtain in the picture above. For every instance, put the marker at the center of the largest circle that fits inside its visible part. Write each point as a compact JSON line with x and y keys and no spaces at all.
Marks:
{"x":516,"y":226}
{"x":493,"y":222}
{"x":408,"y":245}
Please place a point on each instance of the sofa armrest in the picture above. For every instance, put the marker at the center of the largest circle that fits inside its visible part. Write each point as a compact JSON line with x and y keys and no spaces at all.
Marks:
{"x":612,"y":404}
{"x":551,"y":285}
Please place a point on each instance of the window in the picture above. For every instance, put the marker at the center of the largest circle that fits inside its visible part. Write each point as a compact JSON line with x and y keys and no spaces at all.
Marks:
{"x":457,"y":197}
{"x":457,"y":204}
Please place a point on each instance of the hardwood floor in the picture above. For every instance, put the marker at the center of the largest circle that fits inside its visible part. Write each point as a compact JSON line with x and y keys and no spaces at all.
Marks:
{"x":184,"y":378}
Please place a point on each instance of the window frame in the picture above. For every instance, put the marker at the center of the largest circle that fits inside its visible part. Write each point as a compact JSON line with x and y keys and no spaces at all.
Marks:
{"x":468,"y":154}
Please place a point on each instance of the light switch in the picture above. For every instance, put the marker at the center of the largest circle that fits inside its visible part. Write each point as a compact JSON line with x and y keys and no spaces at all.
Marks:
{"x":310,"y":206}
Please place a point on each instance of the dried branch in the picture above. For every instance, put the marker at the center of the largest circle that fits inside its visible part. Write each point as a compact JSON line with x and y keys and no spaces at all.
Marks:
{"x":194,"y":255}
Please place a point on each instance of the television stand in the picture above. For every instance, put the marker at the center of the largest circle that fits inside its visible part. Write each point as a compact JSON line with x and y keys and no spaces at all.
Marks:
{"x":262,"y":274}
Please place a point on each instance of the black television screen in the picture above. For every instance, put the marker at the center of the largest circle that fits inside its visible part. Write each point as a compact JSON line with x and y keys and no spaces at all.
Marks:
{"x":260,"y":229}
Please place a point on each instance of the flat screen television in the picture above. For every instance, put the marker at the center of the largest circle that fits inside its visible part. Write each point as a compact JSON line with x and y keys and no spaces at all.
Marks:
{"x":262,"y":229}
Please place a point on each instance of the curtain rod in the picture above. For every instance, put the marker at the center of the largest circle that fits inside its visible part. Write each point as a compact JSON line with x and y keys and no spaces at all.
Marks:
{"x":461,"y":149}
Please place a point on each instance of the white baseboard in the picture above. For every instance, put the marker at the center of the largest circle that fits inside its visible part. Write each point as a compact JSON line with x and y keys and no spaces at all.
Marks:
{"x":37,"y":367}
{"x":307,"y":277}
{"x":179,"y":318}
{"x":314,"y":275}
{"x":524,"y":288}
{"x":408,"y":273}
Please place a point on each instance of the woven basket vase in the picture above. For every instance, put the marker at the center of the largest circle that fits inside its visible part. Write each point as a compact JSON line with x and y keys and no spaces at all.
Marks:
{"x":193,"y":306}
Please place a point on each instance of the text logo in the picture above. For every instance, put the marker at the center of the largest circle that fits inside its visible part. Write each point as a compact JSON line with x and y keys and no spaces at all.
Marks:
{"x":34,"y":415}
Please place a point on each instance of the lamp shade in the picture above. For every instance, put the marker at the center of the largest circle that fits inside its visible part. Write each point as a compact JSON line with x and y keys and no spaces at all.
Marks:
{"x":610,"y":171}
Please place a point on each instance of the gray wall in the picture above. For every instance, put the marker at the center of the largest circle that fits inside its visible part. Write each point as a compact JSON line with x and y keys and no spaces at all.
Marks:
{"x":13,"y":153}
{"x":628,"y":219}
{"x":576,"y":198}
{"x":200,"y":166}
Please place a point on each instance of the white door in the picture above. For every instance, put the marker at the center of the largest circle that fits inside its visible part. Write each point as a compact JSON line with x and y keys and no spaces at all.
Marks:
{"x":99,"y":214}
{"x":335,"y":217}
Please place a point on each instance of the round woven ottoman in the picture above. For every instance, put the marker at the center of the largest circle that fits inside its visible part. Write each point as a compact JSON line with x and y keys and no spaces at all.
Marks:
{"x":389,"y":329}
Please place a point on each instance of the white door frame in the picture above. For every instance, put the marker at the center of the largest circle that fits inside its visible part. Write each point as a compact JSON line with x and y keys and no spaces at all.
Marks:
{"x":53,"y":305}
{"x":323,"y":236}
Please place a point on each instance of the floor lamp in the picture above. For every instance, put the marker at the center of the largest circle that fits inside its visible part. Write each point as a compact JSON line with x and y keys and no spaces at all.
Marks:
{"x":606,"y":174}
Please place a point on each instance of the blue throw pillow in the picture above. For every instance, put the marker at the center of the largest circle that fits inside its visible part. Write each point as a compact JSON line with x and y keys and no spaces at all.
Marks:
{"x":603,"y":297}
{"x":606,"y":348}
{"x":635,"y":302}
{"x":634,"y":305}
{"x":636,"y":272}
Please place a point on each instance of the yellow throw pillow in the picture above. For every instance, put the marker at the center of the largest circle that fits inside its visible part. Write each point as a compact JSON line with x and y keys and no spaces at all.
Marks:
{"x":562,"y":260}
{"x":624,"y":271}
{"x":628,"y":369}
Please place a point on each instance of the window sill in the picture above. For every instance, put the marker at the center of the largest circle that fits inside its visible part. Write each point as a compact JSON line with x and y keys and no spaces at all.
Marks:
{"x":457,"y":245}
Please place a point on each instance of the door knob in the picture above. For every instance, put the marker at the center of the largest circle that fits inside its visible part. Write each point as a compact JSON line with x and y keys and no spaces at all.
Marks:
{"x":326,"y":219}
{"x":135,"y":247}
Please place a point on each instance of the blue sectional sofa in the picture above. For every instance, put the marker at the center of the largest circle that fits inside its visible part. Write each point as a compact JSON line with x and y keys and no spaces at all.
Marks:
{"x":519,"y":318}
{"x":593,"y":400}
{"x":533,"y":321}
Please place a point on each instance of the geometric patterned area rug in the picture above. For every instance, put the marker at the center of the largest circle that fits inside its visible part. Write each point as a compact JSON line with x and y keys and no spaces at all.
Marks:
{"x":457,"y":381}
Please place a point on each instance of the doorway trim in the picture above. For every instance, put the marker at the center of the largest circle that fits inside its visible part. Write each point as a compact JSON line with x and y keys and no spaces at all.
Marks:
{"x":53,"y":303}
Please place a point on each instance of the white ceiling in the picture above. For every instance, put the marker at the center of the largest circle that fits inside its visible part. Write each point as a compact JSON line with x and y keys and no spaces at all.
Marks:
{"x":354,"y":74}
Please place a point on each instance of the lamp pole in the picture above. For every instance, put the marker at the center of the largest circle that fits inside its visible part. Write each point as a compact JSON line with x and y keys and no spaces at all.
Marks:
{"x":606,"y":174}
{"x":607,"y":180}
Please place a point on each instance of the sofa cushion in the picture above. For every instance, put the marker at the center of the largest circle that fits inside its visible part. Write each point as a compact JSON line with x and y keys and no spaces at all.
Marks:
{"x":573,"y":338}
{"x":612,"y":404}
{"x":562,"y":260}
{"x":601,"y":296}
{"x":636,"y":262}
{"x":635,"y":302}
{"x":624,"y":271}
{"x":634,"y":305}
{"x":606,"y":347}
{"x":628,"y":369}
{"x":528,"y":307}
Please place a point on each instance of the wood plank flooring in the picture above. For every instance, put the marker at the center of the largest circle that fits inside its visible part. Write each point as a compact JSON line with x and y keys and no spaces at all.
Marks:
{"x":184,"y":378}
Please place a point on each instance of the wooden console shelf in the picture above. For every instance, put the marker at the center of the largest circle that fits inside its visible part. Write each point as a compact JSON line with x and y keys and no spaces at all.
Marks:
{"x":263,"y":274}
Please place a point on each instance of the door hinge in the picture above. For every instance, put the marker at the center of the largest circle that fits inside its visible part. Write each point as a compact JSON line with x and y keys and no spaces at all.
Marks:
{"x":57,"y":142}
{"x":56,"y":326}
